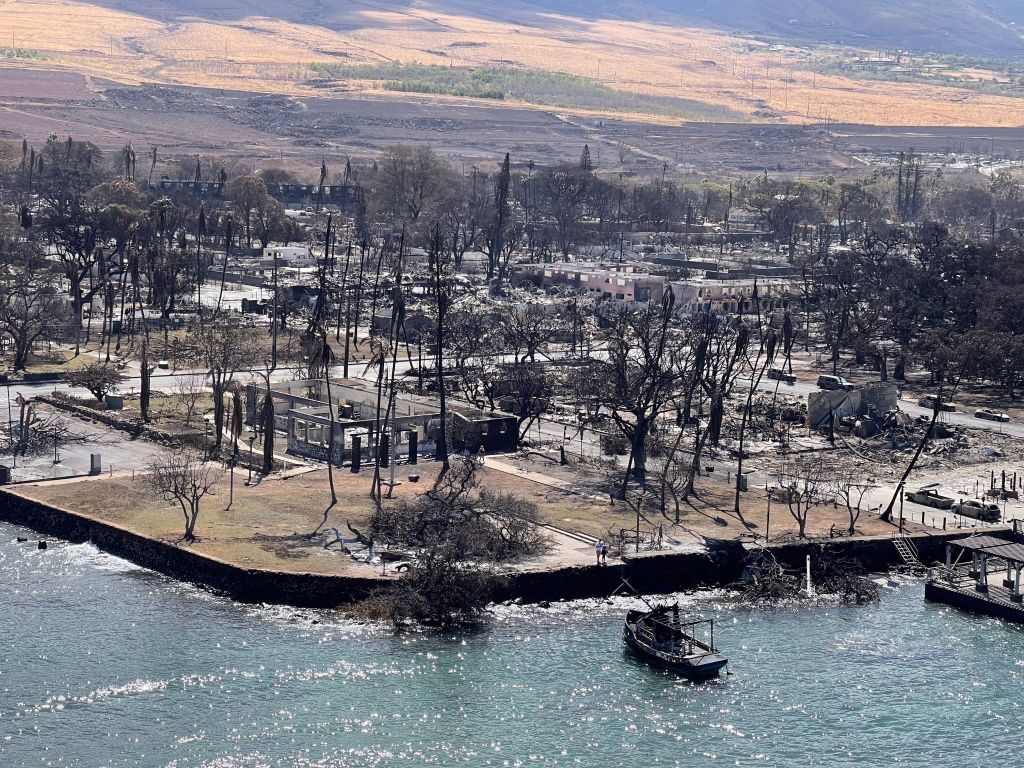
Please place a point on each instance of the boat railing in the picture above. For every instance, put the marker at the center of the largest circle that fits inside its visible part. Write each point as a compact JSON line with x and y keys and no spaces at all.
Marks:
{"x":687,"y":629}
{"x":685,"y":647}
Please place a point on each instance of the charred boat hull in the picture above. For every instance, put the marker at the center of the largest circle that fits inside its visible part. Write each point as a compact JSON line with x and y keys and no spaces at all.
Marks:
{"x":682,"y":654}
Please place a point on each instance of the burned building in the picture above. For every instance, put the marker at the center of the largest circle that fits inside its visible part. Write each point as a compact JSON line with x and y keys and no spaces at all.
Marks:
{"x":363,"y":428}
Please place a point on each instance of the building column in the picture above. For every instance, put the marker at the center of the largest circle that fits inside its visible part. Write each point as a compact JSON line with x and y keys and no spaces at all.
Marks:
{"x":949,"y":559}
{"x":357,"y":452}
{"x":1016,"y":596}
{"x":983,"y":573}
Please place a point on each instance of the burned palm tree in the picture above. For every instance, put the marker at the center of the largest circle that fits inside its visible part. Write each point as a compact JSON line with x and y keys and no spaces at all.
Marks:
{"x":321,"y":358}
{"x":758,"y":366}
{"x":200,"y":270}
{"x":228,"y":225}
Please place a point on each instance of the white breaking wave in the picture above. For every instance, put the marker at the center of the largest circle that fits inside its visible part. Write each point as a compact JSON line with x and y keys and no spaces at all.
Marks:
{"x":91,"y":556}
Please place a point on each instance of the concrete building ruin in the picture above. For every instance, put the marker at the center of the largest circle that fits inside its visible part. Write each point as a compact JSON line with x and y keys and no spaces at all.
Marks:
{"x":617,"y":281}
{"x":869,"y":401}
{"x":302,"y":412}
{"x":732,"y":297}
{"x":625,"y":282}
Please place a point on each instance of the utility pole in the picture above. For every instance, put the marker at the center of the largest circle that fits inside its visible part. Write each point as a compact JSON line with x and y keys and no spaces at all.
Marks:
{"x":273,"y":336}
{"x":231,"y":482}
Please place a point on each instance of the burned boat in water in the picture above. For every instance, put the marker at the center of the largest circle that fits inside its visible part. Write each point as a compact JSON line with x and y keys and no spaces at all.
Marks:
{"x":661,"y":638}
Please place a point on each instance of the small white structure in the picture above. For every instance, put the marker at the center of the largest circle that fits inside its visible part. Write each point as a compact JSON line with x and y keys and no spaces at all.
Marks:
{"x":286,"y":256}
{"x":808,"y":590}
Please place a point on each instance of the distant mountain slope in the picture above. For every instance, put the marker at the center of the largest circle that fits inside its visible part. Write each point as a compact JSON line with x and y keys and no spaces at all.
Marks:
{"x":663,"y":59}
{"x":991,"y":28}
{"x":971,"y":27}
{"x":975,"y":27}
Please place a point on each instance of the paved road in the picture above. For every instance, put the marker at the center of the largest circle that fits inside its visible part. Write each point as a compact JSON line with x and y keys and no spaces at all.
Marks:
{"x":802,"y":389}
{"x":548,"y":430}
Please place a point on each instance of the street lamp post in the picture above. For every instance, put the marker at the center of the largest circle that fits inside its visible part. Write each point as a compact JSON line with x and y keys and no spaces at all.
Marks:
{"x":231,"y":482}
{"x":768,"y":521}
{"x":252,"y":439}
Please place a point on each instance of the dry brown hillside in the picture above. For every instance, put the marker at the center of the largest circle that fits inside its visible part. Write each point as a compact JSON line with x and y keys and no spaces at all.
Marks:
{"x":281,"y":47}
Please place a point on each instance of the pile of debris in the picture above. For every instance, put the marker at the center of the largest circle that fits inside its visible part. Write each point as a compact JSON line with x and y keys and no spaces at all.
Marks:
{"x":766,"y":582}
{"x":892,"y":435}
{"x":771,"y":414}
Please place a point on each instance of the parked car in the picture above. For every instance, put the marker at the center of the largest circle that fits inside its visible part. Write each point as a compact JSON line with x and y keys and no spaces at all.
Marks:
{"x":834,"y":382}
{"x":928,"y":401}
{"x":991,"y":414}
{"x":780,"y":375}
{"x":979,"y":510}
{"x":929,"y":497}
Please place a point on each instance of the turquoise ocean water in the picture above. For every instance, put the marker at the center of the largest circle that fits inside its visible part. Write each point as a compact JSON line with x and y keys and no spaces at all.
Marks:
{"x":104,"y":664}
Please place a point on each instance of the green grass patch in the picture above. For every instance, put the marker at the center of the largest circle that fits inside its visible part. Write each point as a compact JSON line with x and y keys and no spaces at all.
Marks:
{"x":539,"y":87}
{"x":20,"y":53}
{"x":1007,"y":77}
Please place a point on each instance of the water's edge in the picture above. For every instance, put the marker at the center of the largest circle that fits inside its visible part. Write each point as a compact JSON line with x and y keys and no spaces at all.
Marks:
{"x":648,"y":573}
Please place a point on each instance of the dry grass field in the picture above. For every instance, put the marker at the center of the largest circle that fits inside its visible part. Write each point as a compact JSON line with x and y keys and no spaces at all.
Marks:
{"x":268,"y":524}
{"x":272,"y":49}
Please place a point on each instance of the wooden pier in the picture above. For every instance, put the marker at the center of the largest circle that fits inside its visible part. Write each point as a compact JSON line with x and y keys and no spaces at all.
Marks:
{"x":989,"y":583}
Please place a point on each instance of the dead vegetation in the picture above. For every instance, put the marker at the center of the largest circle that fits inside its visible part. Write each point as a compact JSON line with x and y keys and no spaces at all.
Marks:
{"x":766,"y":582}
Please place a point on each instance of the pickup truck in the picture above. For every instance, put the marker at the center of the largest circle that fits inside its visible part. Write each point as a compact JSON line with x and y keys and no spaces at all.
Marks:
{"x":779,"y":375}
{"x":988,"y":513}
{"x":929,"y":497}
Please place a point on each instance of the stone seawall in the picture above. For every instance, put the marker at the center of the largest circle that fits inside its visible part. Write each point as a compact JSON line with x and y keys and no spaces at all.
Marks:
{"x":649,"y":573}
{"x":242,"y":584}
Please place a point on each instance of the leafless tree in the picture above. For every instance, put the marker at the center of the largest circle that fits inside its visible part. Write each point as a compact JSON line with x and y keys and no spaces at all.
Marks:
{"x":443,"y":289}
{"x":30,"y":310}
{"x":851,"y":490}
{"x":409,"y":181}
{"x":224,"y":348}
{"x":803,"y":484}
{"x":646,"y":362}
{"x":563,"y":194}
{"x":35,"y":433}
{"x":529,"y":328}
{"x":756,"y":366}
{"x":718,"y":345}
{"x":188,"y":390}
{"x":183,"y":476}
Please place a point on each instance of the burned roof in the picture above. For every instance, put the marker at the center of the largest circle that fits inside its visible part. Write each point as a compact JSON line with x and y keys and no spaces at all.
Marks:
{"x":994,"y":547}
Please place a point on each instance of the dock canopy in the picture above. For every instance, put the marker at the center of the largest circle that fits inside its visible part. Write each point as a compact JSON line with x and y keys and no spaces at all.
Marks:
{"x":993,"y":547}
{"x":973,"y":586}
